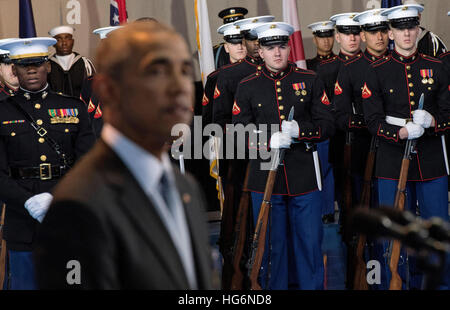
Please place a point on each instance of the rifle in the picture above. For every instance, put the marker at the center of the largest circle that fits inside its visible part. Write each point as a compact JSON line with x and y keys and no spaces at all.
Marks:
{"x":360,"y":281}
{"x":240,"y":232}
{"x":259,"y":237}
{"x":2,"y":248}
{"x":399,"y":204}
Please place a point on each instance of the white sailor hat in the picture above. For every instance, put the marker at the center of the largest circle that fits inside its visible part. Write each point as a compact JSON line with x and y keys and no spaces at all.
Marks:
{"x":103,"y":32}
{"x":448,"y":13}
{"x":273,"y":33}
{"x":404,"y":16}
{"x":322,"y":29}
{"x":4,"y":54}
{"x":28,"y":51}
{"x":346,"y":24}
{"x":372,"y":20}
{"x":231,"y":33}
{"x":246,"y":25}
{"x":60,"y":29}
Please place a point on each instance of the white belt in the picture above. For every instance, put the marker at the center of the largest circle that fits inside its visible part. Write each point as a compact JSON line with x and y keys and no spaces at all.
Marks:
{"x":396,"y":121}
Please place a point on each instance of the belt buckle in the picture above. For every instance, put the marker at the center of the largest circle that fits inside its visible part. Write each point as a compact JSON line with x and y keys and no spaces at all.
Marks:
{"x":42,"y":170}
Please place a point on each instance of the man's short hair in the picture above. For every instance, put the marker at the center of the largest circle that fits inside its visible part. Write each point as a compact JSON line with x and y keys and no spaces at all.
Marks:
{"x":124,"y":46}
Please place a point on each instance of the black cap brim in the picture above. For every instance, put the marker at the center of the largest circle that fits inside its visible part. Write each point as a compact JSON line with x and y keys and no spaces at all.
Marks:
{"x":30,"y":61}
{"x":405,"y":23}
{"x":234,"y":39}
{"x":349,"y":29}
{"x":376,"y":27}
{"x":275,"y":40}
{"x":324,"y":34}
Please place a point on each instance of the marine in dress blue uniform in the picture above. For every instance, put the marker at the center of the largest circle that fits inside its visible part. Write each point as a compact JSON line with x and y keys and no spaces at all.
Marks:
{"x":349,"y":111}
{"x":229,"y":15}
{"x":391,"y":94}
{"x":328,"y":71}
{"x":323,"y":29}
{"x":265,"y":98}
{"x":29,"y":166}
{"x":320,"y":30}
{"x":347,"y":92}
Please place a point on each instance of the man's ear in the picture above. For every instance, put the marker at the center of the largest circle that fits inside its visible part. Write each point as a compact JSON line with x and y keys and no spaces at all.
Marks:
{"x":14,"y":70}
{"x":337,"y":37}
{"x":225,"y":45}
{"x":363,"y":36}
{"x":391,"y":34}
{"x":106,"y":90}
{"x":48,"y":67}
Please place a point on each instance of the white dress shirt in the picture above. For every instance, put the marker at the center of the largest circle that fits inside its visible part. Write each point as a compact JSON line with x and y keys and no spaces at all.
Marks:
{"x":147,"y":169}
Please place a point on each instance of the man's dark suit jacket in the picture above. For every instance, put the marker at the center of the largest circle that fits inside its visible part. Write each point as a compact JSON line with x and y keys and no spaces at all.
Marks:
{"x":102,"y":218}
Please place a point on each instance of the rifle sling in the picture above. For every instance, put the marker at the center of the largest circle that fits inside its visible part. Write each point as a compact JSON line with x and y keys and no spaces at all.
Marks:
{"x":43,"y":133}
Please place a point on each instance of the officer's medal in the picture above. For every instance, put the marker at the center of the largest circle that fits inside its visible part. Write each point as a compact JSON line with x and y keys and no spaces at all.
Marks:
{"x":300,"y":86}
{"x":427,"y":76}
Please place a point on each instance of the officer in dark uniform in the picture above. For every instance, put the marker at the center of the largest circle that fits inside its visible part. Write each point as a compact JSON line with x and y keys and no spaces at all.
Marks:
{"x":349,"y":111}
{"x":391,"y":95}
{"x":230,"y":15}
{"x":41,"y":135}
{"x":428,"y":42}
{"x":233,"y":171}
{"x":347,"y":92}
{"x":348,"y":36}
{"x":323,"y":38}
{"x":8,"y":81}
{"x":265,"y":99}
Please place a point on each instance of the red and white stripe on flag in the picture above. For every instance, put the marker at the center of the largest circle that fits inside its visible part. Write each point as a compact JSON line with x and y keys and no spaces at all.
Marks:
{"x":118,"y":12}
{"x":290,"y":16}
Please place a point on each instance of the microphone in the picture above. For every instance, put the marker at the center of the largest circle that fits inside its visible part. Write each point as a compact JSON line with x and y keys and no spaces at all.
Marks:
{"x":370,"y":222}
{"x":414,"y":234}
{"x":438,"y":228}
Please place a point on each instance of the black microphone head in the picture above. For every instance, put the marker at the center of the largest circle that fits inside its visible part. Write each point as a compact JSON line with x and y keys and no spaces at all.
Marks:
{"x":397,"y":216}
{"x":370,"y":222}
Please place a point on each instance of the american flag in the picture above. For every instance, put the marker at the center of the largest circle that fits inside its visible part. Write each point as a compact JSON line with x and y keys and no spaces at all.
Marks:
{"x":118,"y":12}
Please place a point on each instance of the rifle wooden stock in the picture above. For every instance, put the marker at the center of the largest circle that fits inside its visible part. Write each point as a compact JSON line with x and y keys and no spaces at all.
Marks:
{"x":360,"y":281}
{"x":240,"y":233}
{"x":396,"y":280}
{"x":2,"y":249}
{"x":259,"y":238}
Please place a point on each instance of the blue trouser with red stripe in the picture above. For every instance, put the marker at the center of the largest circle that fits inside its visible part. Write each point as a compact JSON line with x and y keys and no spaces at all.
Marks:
{"x":297,"y":218}
{"x":432,"y":200}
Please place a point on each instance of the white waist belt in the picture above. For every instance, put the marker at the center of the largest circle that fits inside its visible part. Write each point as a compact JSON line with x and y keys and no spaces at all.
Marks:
{"x":396,"y":121}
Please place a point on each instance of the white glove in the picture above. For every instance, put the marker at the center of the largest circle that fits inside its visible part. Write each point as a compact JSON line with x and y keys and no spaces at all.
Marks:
{"x":280,"y":140}
{"x":290,"y":128}
{"x":414,"y":131}
{"x":422,"y":118}
{"x":38,"y":205}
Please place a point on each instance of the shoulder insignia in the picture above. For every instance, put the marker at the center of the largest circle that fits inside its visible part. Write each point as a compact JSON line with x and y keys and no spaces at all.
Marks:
{"x":236,"y":109}
{"x":205,"y":100}
{"x":216,"y":93}
{"x":366,"y":93}
{"x":91,"y":107}
{"x":98,"y":112}
{"x":325,"y":99}
{"x":337,"y":89}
